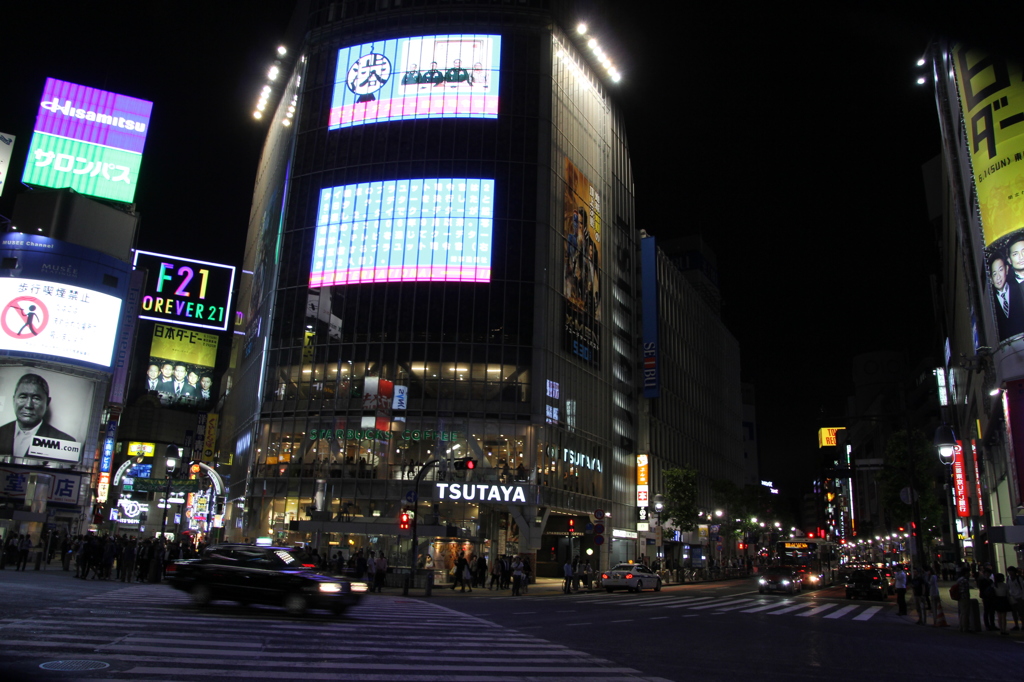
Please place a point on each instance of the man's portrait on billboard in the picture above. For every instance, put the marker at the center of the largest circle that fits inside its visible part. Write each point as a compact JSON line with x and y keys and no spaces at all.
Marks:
{"x":31,"y":405}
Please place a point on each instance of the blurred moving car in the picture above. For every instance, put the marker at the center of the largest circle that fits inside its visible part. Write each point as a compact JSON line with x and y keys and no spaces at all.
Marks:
{"x":867,"y":583}
{"x":780,"y":579}
{"x":263,"y":575}
{"x":632,"y":577}
{"x":890,"y":579}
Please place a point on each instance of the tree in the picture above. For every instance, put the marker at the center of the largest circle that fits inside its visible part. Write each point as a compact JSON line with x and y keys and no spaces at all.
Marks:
{"x":911,"y":458}
{"x":680,"y":497}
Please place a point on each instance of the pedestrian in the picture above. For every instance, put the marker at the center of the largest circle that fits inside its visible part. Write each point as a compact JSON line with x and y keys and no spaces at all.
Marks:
{"x":527,"y":574}
{"x":517,"y":575}
{"x":588,"y":574}
{"x":506,"y":572}
{"x":933,"y":593}
{"x":461,"y":574}
{"x":24,"y":547}
{"x":360,"y":565}
{"x":9,"y":551}
{"x":567,"y":573}
{"x":480,"y":575}
{"x":495,"y":574}
{"x":382,"y":571}
{"x":920,"y":591}
{"x":901,"y":590}
{"x":986,"y":590}
{"x":963,"y":599}
{"x":1015,"y":586}
{"x":1001,"y":601}
{"x":128,"y":560}
{"x":371,"y":571}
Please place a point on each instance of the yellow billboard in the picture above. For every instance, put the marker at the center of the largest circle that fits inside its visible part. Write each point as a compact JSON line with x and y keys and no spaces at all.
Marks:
{"x":827,"y":436}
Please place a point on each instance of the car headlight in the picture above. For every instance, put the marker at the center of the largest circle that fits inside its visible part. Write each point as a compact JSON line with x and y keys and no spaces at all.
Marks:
{"x":330,"y":587}
{"x":785,"y":582}
{"x":762,"y":581}
{"x":360,"y":587}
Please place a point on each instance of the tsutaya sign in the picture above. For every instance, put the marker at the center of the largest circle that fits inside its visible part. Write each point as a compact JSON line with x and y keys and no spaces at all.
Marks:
{"x":513,"y":493}
{"x":577,"y":459}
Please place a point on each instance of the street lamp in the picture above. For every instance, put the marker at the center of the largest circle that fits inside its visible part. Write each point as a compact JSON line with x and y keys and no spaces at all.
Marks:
{"x":945,"y":443}
{"x":171,"y":462}
{"x":659,"y":506}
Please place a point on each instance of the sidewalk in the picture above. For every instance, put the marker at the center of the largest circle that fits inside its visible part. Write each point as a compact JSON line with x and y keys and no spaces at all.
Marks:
{"x":950,"y":609}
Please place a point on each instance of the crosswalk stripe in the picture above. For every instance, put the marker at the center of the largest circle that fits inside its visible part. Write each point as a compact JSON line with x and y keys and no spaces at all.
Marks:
{"x":715,"y":605}
{"x":788,"y":609}
{"x":689,"y":602}
{"x":817,"y":610}
{"x":868,"y":613}
{"x":842,"y":612}
{"x":736,"y":607}
{"x":763,"y":607}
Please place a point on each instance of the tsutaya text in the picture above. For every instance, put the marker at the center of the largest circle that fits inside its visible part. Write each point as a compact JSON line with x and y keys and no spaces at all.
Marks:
{"x":514,"y":493}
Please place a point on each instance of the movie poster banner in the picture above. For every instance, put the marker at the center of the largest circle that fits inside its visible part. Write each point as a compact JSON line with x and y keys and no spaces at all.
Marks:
{"x":992,"y":98}
{"x":45,"y":415}
{"x":581,"y":265}
{"x":181,"y":364}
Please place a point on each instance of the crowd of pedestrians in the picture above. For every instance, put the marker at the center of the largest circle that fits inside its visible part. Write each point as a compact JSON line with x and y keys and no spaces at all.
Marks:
{"x":1001,"y":595}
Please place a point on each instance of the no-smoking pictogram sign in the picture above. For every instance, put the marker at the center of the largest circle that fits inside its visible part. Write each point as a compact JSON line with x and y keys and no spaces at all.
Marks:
{"x":24,"y":318}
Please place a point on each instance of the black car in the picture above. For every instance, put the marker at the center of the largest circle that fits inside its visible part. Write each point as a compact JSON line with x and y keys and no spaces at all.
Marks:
{"x":781,"y":579}
{"x":867,"y":584}
{"x":263,"y":575}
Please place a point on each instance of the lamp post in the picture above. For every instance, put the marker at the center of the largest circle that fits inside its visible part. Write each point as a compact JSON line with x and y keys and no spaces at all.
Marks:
{"x":659,"y":506}
{"x":171,"y":463}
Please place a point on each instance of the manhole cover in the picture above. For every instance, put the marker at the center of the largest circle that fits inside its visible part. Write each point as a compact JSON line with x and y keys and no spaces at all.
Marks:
{"x":74,"y":665}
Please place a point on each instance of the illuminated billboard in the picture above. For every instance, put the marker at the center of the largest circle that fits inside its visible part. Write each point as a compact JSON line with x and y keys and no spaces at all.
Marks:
{"x":581,"y":265}
{"x":441,"y":76}
{"x":58,"y":320}
{"x":185,"y":291}
{"x":436,"y":229}
{"x":89,"y":140}
{"x":45,"y":415}
{"x":180,"y":369}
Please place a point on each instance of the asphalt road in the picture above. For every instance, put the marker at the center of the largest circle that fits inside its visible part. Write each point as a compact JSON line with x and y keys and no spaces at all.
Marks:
{"x":691,"y":633}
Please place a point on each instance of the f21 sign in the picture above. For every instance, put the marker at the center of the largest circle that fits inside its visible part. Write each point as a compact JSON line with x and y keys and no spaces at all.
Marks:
{"x":188,"y":292}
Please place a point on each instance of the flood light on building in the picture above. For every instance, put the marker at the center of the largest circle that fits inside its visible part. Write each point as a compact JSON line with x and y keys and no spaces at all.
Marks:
{"x":922,"y":80}
{"x":920,"y":62}
{"x":581,"y":28}
{"x":282,"y":50}
{"x":272,"y":74}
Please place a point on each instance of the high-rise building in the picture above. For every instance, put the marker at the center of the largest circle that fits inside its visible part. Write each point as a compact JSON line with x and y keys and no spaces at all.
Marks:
{"x":442,"y":270}
{"x":441,"y":250}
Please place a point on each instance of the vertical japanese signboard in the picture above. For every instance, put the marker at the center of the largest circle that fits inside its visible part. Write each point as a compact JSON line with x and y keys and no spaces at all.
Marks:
{"x":6,"y":146}
{"x":963,"y":504}
{"x":977,"y":479}
{"x":643,"y":485}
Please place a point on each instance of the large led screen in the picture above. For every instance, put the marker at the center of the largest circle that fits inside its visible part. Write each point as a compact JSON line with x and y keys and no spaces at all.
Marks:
{"x":436,"y":229}
{"x":59,"y":320}
{"x":423,"y":77}
{"x":89,"y":140}
{"x":44,"y":415}
{"x":180,"y":369}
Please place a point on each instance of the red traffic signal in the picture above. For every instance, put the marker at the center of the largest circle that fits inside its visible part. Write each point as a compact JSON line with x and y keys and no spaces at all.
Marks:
{"x":403,"y":521}
{"x":465,"y":463}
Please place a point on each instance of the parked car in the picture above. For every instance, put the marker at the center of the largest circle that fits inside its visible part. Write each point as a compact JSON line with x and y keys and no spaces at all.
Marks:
{"x":780,"y":579}
{"x":890,"y":579}
{"x":867,"y":583}
{"x":263,"y":575}
{"x":633,"y":577}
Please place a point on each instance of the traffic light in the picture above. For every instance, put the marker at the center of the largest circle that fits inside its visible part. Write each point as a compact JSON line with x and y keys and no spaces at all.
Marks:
{"x":194,"y":469}
{"x":403,"y":521}
{"x":465,"y":463}
{"x":572,"y":525}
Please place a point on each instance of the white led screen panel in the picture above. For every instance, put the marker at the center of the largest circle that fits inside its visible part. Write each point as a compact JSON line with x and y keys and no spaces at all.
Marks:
{"x":445,"y":76}
{"x":50,"y":318}
{"x":420,"y":230}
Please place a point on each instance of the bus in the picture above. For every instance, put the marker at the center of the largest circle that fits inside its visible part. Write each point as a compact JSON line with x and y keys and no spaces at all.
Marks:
{"x":816,"y":559}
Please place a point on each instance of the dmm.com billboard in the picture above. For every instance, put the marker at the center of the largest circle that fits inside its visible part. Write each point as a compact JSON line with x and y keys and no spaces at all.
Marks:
{"x":89,"y":140}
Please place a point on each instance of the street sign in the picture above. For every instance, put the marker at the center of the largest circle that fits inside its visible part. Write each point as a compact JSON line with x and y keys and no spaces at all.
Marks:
{"x":599,"y":528}
{"x":153,"y":485}
{"x":599,"y":540}
{"x":599,"y":514}
{"x":410,"y":497}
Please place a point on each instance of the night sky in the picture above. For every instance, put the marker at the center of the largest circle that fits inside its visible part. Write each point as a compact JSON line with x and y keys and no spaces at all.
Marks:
{"x":792,"y":144}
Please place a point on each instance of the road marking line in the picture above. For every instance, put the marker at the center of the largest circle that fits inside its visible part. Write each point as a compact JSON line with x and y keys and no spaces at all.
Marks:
{"x":628,"y":620}
{"x":658,"y":618}
{"x":818,"y":609}
{"x":843,"y":611}
{"x":691,"y":601}
{"x":723,"y":603}
{"x":788,"y":609}
{"x":733,"y":608}
{"x":872,"y":610}
{"x":764,"y":607}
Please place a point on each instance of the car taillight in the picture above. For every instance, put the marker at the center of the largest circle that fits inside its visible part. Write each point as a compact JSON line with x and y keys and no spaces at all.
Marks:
{"x":629,"y":576}
{"x":309,"y":565}
{"x":604,"y":576}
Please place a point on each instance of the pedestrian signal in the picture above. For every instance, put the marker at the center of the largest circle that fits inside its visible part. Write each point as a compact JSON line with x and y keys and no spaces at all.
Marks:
{"x":403,"y":521}
{"x":465,"y":463}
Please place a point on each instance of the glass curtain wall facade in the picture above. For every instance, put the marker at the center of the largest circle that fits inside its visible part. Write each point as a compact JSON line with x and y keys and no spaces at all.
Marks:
{"x":441,"y":267}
